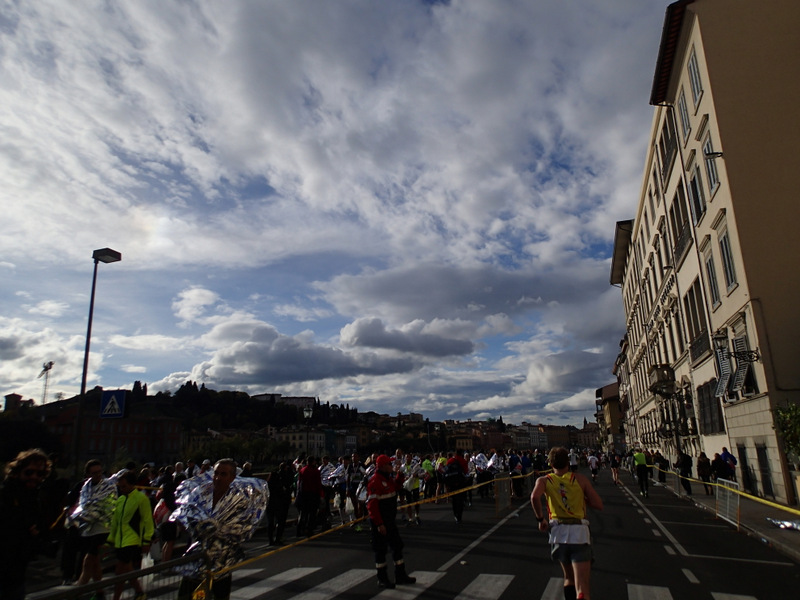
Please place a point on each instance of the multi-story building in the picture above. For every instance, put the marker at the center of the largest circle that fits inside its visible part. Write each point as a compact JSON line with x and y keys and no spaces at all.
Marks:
{"x":708,"y":268}
{"x":611,"y":432}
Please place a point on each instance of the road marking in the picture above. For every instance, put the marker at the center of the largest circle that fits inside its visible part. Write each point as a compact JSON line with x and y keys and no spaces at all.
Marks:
{"x":683,"y":551}
{"x":425,"y":579}
{"x":486,"y":586}
{"x":270,"y":583}
{"x":474,"y":544}
{"x":648,"y":592}
{"x":721,"y":596}
{"x":690,"y":576}
{"x":647,"y":520}
{"x":554,"y":589}
{"x":656,"y":533}
{"x":337,"y":585}
{"x":670,"y":550}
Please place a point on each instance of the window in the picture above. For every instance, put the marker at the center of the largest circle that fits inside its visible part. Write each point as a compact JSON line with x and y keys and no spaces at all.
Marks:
{"x":697,"y":200}
{"x":667,"y":146}
{"x":711,"y":418}
{"x":711,"y":165}
{"x":683,"y":112}
{"x":711,"y":274}
{"x":727,"y":259}
{"x":694,"y":78}
{"x":696,"y":322}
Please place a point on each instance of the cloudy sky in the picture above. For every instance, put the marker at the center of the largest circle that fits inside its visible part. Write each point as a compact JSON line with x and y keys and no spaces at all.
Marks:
{"x":405,"y":205}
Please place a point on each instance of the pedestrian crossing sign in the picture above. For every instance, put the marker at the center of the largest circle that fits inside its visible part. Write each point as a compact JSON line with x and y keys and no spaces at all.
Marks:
{"x":112,"y":406}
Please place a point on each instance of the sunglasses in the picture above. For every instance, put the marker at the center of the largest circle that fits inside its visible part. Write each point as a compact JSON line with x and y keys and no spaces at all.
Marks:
{"x":31,"y":472}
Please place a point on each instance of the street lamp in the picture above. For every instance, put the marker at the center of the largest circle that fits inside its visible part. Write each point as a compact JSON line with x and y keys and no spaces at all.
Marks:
{"x":105,"y":255}
{"x":308,"y":412}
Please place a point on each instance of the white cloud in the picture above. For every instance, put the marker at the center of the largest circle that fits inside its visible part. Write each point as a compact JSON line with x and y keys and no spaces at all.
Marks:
{"x":434,"y":189}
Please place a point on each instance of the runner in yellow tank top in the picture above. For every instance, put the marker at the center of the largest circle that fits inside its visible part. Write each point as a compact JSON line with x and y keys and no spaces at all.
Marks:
{"x":565,"y":498}
{"x":568,"y":495}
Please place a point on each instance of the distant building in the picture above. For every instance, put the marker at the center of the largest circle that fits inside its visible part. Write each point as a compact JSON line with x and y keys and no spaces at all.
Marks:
{"x":611,"y":431}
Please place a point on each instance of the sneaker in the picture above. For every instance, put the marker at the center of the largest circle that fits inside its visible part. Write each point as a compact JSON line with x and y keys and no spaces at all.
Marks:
{"x":418,"y":521}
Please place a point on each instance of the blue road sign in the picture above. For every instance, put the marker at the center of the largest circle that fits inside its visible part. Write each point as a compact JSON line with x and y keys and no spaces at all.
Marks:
{"x":112,"y":406}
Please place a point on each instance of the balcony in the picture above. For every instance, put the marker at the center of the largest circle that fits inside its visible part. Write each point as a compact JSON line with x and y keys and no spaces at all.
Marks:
{"x":700,"y":346}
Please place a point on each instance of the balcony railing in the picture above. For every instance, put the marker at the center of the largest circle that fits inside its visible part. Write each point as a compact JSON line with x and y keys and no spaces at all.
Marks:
{"x":700,"y":346}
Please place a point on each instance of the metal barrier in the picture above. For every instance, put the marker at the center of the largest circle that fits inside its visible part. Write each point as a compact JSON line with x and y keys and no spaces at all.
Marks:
{"x":164,"y":583}
{"x":728,"y":498}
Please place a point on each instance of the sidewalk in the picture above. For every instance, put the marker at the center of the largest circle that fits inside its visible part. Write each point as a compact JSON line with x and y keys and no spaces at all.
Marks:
{"x":753,"y":517}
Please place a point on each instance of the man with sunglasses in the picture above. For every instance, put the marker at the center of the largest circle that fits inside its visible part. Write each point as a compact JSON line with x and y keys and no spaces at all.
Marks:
{"x":21,"y":519}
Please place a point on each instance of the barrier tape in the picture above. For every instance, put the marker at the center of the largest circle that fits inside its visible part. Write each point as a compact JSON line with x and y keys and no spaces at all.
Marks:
{"x":733,"y":490}
{"x":225,"y":570}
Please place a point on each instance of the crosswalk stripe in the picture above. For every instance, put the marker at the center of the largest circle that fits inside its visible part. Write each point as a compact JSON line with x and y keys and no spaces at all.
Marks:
{"x":425,"y":579}
{"x":486,"y":587}
{"x":337,"y":585}
{"x":648,"y":592}
{"x":554,"y":589}
{"x":258,"y":588}
{"x":247,"y":572}
{"x":721,"y":596}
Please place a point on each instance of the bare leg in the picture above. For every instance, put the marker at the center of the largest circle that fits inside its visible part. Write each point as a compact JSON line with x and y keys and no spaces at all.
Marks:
{"x":582,"y":573}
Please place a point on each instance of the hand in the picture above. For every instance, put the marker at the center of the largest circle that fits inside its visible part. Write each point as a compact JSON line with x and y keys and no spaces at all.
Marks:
{"x":544,"y":525}
{"x":382,"y":529}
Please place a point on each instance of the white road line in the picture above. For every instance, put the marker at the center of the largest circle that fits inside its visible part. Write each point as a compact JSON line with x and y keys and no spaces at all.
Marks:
{"x":690,"y":576}
{"x":474,"y":544}
{"x":721,"y":596}
{"x":656,"y":533}
{"x":270,"y":583}
{"x":648,"y":592}
{"x":337,"y":585}
{"x":670,"y":550}
{"x":486,"y":586}
{"x":554,"y":589}
{"x":425,"y":579}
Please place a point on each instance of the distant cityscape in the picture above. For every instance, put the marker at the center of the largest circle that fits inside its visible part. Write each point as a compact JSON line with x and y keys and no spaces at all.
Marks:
{"x":117,"y":426}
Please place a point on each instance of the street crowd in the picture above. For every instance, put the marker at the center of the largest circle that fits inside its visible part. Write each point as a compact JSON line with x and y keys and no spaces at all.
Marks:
{"x":215,"y":507}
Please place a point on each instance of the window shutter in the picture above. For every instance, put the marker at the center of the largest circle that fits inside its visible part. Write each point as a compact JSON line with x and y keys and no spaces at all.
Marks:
{"x":742,"y":366}
{"x":724,"y":372}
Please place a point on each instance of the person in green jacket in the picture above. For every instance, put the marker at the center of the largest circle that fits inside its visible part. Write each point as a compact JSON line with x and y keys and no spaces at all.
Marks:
{"x":131,"y":531}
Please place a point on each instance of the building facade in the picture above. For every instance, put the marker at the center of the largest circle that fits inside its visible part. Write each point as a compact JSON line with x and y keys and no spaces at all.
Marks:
{"x":707,"y":268}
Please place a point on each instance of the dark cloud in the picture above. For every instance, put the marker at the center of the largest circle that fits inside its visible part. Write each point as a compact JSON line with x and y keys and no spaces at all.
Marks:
{"x":372,"y":333}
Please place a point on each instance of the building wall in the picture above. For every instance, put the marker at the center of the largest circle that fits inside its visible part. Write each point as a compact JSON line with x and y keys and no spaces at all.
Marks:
{"x":680,"y":313}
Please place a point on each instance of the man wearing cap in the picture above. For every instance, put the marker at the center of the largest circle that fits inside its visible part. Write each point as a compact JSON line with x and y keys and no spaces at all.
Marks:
{"x":382,"y":510}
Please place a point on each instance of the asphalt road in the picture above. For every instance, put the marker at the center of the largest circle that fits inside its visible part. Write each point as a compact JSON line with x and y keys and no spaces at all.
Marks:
{"x":655,"y":548}
{"x":652,"y":548}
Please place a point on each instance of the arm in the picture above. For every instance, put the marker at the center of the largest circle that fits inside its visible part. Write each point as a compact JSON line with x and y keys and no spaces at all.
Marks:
{"x":147,"y":522}
{"x":536,"y":503}
{"x":593,"y":499}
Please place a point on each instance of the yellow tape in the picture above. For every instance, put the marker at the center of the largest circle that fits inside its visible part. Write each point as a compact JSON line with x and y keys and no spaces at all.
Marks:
{"x":244,"y":563}
{"x":735,"y":491}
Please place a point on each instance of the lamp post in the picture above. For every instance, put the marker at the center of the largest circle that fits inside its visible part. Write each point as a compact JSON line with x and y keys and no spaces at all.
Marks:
{"x":308,"y":412}
{"x":104,"y":255}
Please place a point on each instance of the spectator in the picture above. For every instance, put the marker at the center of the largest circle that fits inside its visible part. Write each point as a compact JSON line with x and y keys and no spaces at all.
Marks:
{"x":21,"y":519}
